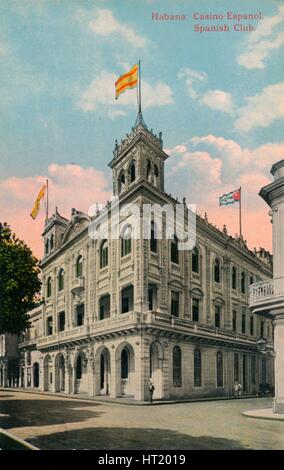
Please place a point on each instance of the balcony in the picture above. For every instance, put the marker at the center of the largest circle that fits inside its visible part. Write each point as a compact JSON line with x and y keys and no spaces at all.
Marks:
{"x":267,"y":296}
{"x":78,"y":285}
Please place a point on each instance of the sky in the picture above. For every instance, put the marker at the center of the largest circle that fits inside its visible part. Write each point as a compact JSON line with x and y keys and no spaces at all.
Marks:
{"x":218,"y":98}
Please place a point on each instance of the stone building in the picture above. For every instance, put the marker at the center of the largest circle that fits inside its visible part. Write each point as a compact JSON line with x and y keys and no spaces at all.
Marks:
{"x":267,"y":297}
{"x":9,"y":360}
{"x":121,"y":311}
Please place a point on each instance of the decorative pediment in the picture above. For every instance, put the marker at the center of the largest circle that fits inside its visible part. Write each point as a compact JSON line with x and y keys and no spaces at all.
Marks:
{"x":79,"y":221}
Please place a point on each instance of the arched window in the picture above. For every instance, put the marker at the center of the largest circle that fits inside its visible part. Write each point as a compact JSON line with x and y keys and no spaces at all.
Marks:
{"x":217,"y":271}
{"x":148,"y":169}
{"x":197,"y":368}
{"x":121,"y":181}
{"x":79,"y":367}
{"x":153,"y":240}
{"x":132,"y":173}
{"x":104,"y":254}
{"x":49,"y":287}
{"x":79,"y":266}
{"x":251,"y":280}
{"x":124,"y":363}
{"x":126,"y":240}
{"x":174,"y":250}
{"x":195,"y":260}
{"x":51,"y":242}
{"x":243,"y":282}
{"x":219,"y":369}
{"x":177,"y":366}
{"x":61,"y":279}
{"x":47,"y":246}
{"x":234,"y":277}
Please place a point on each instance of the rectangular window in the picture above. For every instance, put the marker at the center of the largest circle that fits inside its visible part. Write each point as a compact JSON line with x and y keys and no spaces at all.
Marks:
{"x":152,"y":296}
{"x":127,"y":299}
{"x":80,"y":312}
{"x":175,"y":304}
{"x":61,"y":321}
{"x":236,"y":367}
{"x":253,"y":370}
{"x":195,"y":309}
{"x":218,"y":316}
{"x":197,"y":368}
{"x":244,"y":323}
{"x":234,"y":320}
{"x":49,"y":326}
{"x":251,"y":326}
{"x":262,"y":329}
{"x":104,"y":307}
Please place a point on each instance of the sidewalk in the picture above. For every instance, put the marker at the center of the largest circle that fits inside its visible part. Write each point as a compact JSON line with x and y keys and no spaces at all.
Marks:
{"x":128,"y":400}
{"x":265,"y":413}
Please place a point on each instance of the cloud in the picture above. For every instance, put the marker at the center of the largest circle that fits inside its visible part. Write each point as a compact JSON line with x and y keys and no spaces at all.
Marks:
{"x":257,"y":48}
{"x":209,"y":166}
{"x":17,"y":196}
{"x":105,"y":24}
{"x":219,"y":100}
{"x":262,"y":109}
{"x":254,"y":57}
{"x":101,"y":91}
{"x":197,"y":161}
{"x":192,"y":79}
{"x":215,"y":99}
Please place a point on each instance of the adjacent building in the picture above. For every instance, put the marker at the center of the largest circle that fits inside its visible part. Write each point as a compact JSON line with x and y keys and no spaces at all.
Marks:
{"x":9,"y":360}
{"x":118,"y":312}
{"x":267,"y":297}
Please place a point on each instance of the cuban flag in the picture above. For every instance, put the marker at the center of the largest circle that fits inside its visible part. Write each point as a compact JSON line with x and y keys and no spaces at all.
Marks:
{"x":230,"y":198}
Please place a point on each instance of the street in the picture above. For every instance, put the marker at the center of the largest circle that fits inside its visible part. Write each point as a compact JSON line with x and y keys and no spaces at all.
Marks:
{"x":52,"y":422}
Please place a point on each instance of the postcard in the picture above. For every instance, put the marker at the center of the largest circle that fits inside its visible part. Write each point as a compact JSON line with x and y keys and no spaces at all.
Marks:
{"x":142,"y":227}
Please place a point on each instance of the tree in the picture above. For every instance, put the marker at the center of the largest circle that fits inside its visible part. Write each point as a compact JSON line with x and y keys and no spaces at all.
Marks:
{"x":19,"y":282}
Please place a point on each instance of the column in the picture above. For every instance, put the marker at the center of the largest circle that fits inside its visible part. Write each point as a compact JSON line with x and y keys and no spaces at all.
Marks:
{"x":115,"y":388}
{"x":278,"y":405}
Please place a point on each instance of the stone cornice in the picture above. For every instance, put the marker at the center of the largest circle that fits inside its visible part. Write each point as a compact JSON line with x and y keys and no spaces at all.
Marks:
{"x":273,"y":191}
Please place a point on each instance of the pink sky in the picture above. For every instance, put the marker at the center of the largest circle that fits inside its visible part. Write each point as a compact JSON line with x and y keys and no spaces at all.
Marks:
{"x":74,"y":186}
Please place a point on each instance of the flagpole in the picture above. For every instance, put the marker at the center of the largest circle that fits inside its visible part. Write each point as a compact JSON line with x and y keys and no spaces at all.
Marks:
{"x":46,"y":213}
{"x":240,"y":207}
{"x":139,"y":102}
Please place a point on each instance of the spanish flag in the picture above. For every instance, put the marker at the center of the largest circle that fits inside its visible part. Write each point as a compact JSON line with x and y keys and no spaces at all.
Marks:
{"x":128,"y":80}
{"x":35,"y":209}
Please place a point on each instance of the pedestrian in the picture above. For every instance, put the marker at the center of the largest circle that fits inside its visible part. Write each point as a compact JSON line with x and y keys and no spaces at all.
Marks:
{"x":236,"y":389}
{"x":239,"y":389}
{"x":151,"y":390}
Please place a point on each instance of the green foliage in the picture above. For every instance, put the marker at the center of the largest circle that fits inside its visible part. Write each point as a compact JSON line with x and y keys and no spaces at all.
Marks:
{"x":19,"y":282}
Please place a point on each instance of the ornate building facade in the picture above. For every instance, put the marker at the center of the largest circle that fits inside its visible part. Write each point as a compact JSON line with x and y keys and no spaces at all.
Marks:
{"x":119,"y":312}
{"x":267,"y":296}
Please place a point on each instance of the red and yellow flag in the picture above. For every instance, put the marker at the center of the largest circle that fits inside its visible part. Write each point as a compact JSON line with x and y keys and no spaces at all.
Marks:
{"x":128,"y":80}
{"x":36,"y":207}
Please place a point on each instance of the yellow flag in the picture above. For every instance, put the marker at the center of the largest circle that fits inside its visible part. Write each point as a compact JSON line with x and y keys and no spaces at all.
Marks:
{"x":35,"y":209}
{"x":128,"y":80}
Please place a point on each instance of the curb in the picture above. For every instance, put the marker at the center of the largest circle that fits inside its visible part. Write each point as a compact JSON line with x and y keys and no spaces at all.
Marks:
{"x":127,"y":403}
{"x":18,"y":439}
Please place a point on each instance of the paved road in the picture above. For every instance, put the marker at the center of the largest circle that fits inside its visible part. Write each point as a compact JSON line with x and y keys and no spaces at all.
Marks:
{"x":51,"y":422}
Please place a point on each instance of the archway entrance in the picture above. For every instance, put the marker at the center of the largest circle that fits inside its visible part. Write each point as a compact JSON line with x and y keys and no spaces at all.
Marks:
{"x":81,"y":385}
{"x":48,"y":378}
{"x":127,"y":371}
{"x":104,"y":372}
{"x":156,"y":370}
{"x":36,"y":375}
{"x":60,"y":373}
